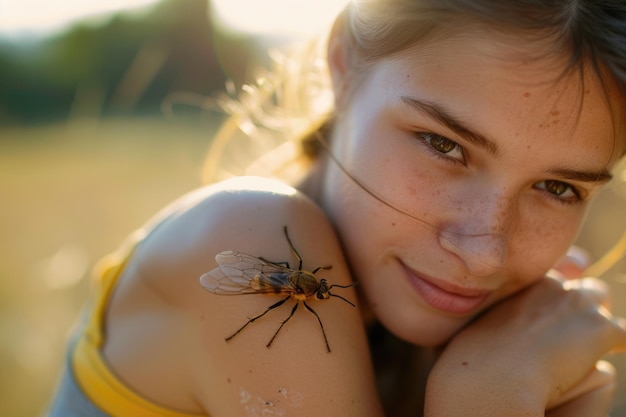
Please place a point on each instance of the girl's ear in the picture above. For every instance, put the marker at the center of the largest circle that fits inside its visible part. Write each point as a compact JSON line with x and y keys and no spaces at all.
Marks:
{"x":338,"y":60}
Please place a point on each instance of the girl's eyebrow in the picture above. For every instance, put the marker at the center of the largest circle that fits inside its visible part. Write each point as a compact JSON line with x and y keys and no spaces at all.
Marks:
{"x":445,"y":118}
{"x":599,"y":177}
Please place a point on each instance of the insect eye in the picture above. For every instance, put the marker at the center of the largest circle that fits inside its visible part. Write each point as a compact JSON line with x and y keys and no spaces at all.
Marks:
{"x":322,"y":295}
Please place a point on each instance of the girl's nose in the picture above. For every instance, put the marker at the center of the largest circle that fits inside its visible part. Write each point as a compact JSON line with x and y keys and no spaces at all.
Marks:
{"x":483,"y":254}
{"x":479,"y":231}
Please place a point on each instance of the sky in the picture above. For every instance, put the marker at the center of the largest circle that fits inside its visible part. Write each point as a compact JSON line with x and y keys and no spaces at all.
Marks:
{"x":298,"y":17}
{"x":41,"y":17}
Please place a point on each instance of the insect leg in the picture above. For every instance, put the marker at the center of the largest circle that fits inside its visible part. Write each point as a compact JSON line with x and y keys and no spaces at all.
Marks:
{"x":321,"y":267}
{"x":321,"y":325}
{"x":293,"y":249}
{"x":273,"y":306}
{"x":295,"y":252}
{"x":293,"y":310}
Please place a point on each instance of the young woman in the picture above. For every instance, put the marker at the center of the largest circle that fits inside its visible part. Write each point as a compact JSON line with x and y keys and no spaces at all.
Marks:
{"x":465,"y":143}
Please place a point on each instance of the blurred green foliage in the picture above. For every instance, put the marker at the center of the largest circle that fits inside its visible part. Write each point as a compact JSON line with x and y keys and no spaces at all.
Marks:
{"x":126,"y":66}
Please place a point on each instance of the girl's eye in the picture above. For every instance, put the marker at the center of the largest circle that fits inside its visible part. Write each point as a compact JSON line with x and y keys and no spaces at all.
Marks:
{"x":442,"y":145}
{"x":560,"y":190}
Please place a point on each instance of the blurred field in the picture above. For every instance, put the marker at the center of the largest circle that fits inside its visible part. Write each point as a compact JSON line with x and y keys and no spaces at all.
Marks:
{"x":70,"y":193}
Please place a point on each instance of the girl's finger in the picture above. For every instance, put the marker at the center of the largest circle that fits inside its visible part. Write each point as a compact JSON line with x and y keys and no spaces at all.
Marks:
{"x":597,"y":289}
{"x":574,"y":263}
{"x":591,"y":396}
{"x":620,"y":326}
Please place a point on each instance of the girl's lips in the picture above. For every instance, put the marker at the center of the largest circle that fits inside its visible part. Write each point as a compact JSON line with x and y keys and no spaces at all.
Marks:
{"x":444,"y":296}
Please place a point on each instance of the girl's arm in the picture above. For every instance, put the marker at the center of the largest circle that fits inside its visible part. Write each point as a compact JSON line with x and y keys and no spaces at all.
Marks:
{"x":527,"y":354}
{"x":592,"y":397}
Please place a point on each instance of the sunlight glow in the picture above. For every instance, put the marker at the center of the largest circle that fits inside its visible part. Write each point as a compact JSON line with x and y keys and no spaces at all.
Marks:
{"x":277,"y":17}
{"x":41,"y":17}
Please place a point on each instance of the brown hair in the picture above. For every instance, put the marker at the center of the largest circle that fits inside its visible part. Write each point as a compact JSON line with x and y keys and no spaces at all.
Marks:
{"x":589,"y":31}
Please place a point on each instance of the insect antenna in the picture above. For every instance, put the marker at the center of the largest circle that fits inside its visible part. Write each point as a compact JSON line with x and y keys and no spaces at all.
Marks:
{"x":338,"y":296}
{"x":342,"y":286}
{"x":352,"y":284}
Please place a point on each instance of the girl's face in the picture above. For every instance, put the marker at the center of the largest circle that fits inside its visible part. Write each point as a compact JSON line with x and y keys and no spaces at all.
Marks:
{"x":489,"y":157}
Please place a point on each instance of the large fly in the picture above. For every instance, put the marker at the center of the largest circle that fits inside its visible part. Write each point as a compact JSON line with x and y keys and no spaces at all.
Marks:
{"x":240,"y":273}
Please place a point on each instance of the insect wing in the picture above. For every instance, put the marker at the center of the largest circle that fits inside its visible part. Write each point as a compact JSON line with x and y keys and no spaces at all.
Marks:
{"x":240,"y":273}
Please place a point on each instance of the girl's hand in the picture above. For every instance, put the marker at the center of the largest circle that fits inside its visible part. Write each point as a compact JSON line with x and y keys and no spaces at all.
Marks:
{"x":592,"y":397}
{"x":573,"y":264}
{"x":527,"y":354}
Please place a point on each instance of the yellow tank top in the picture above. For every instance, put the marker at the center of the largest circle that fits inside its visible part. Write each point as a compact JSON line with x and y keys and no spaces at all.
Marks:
{"x":92,"y":373}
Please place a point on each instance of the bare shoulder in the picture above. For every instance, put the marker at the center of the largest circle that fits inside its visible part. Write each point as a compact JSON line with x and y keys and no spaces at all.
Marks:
{"x":296,"y":375}
{"x":247,"y":214}
{"x":244,"y":214}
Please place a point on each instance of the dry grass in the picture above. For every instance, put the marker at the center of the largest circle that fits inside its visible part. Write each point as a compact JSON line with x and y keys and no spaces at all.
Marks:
{"x":71,"y":193}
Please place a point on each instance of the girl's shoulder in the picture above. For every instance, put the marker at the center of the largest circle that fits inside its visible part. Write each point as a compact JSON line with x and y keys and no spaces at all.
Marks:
{"x":245,"y":214}
{"x":163,"y":320}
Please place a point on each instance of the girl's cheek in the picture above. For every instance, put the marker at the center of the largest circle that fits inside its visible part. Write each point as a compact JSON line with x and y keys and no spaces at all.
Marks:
{"x":543,"y":243}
